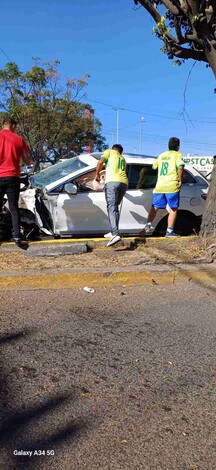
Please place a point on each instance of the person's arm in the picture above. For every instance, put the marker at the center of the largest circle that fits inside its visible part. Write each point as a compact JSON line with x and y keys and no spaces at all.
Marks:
{"x":99,"y":167}
{"x":180,"y":174}
{"x":25,"y":155}
{"x":155,"y":164}
{"x":180,"y":166}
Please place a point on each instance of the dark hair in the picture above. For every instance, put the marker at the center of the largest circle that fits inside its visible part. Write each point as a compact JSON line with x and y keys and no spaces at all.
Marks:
{"x":117,"y":147}
{"x":9,"y":121}
{"x":174,"y":143}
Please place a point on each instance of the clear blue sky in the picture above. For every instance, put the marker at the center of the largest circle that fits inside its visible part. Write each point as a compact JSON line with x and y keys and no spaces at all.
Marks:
{"x":115,"y":45}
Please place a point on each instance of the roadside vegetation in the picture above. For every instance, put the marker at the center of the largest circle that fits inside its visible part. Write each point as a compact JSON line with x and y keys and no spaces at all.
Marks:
{"x":134,"y":252}
{"x":52,"y":119}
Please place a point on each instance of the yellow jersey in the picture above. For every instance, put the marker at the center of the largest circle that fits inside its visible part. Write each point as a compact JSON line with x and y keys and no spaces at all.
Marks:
{"x":167,"y":164}
{"x":115,"y":167}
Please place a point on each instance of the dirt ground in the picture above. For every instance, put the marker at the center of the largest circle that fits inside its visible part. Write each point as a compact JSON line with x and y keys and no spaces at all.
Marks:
{"x":130,"y":253}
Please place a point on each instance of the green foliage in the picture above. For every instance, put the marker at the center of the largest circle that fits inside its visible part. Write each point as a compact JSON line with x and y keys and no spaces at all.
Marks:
{"x":51,"y":118}
{"x":177,"y":62}
{"x":187,"y":29}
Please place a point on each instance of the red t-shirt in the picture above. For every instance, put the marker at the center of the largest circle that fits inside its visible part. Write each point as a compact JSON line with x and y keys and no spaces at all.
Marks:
{"x":12,"y":147}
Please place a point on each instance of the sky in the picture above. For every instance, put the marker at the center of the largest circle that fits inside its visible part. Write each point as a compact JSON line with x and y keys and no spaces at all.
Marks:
{"x":136,"y":92}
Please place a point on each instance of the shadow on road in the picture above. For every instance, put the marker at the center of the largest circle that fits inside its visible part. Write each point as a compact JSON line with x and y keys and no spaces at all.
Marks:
{"x":17,"y":425}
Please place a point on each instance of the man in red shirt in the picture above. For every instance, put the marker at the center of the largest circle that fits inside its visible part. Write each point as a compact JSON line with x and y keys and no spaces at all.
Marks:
{"x":12,"y":149}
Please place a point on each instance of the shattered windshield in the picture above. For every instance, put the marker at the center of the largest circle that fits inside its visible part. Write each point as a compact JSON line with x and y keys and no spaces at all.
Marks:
{"x":57,"y":171}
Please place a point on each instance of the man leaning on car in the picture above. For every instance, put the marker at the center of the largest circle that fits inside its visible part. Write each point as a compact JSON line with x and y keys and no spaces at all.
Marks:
{"x":170,"y":166}
{"x":116,"y":183}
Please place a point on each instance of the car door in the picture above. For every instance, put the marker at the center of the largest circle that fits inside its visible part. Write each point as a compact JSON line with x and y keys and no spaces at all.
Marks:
{"x":84,"y":212}
{"x":138,"y":198}
{"x":190,"y":195}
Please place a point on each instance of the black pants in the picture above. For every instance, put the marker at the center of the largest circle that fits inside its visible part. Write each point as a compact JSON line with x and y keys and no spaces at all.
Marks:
{"x":10,"y":185}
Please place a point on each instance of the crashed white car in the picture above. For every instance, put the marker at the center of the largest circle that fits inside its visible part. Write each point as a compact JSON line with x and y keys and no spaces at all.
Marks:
{"x":65,"y":201}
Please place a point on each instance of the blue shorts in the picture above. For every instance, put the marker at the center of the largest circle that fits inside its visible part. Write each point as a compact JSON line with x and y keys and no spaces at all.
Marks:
{"x":160,"y":200}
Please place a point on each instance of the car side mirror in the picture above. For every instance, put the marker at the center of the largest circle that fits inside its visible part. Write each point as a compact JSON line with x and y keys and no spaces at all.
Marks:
{"x":70,"y":188}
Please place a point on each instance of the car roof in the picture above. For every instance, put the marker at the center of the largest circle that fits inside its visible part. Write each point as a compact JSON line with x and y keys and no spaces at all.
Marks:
{"x":129,"y":157}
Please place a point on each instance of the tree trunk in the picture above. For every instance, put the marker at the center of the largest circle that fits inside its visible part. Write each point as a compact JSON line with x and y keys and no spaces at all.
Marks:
{"x":208,"y":227}
{"x":211,"y":58}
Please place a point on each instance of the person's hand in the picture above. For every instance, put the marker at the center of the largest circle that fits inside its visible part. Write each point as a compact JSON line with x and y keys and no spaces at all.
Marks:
{"x":97,"y":178}
{"x":180,"y":184}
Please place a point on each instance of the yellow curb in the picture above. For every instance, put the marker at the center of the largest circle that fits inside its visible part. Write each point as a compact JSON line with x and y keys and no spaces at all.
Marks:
{"x":103,"y":279}
{"x":95,"y":240}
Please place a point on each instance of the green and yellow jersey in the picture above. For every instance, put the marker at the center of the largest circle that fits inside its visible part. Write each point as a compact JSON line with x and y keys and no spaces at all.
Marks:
{"x":167,"y":164}
{"x":115,"y":167}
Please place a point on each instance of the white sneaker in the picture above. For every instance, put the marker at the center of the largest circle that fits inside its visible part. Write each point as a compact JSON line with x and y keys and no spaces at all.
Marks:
{"x":113,"y":240}
{"x":108,"y":235}
{"x":148,"y":227}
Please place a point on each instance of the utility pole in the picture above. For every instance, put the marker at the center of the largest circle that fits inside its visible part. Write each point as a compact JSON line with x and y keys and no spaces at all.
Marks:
{"x":141,"y":133}
{"x":117,"y":124}
{"x":112,"y":133}
{"x":117,"y":127}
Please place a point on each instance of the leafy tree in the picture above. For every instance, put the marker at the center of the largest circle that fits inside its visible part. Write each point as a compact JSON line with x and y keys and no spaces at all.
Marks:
{"x":186,"y":27}
{"x":208,"y":227}
{"x":51,"y":119}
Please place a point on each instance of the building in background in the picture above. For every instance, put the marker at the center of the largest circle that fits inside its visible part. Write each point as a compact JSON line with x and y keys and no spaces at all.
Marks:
{"x":204,"y":164}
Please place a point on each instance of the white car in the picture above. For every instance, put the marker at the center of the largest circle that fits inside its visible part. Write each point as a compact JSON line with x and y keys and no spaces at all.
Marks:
{"x":65,"y":202}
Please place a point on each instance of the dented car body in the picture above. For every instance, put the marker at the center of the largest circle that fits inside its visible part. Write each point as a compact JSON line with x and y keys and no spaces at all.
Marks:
{"x":65,"y":202}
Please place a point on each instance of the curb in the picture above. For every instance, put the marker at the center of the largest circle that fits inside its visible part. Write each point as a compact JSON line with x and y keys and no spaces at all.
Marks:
{"x":91,"y":241}
{"x":204,"y":275}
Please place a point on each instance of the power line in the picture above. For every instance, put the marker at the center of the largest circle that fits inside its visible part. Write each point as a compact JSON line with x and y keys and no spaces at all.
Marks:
{"x":134,"y":135}
{"x":148,"y":114}
{"x":5,"y":54}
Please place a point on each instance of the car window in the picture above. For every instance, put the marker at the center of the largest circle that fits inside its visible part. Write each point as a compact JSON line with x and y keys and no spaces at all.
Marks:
{"x":86,"y":182}
{"x":141,"y":176}
{"x":188,"y":178}
{"x":57,"y":171}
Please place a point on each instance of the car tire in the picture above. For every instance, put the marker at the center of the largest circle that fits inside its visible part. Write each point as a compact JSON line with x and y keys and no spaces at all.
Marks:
{"x":28,"y":227}
{"x":186,"y":224}
{"x":29,"y":231}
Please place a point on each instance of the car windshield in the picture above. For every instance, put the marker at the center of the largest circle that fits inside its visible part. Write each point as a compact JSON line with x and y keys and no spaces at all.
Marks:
{"x":57,"y":171}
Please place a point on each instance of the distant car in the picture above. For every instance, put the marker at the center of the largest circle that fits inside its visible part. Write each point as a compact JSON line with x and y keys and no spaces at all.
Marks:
{"x":26,"y":170}
{"x":65,"y":203}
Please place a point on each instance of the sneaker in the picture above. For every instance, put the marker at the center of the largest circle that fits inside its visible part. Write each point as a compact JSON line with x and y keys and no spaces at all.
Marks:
{"x":172,"y":235}
{"x":148,"y":228}
{"x":108,"y":235}
{"x":113,"y":240}
{"x":23,"y":244}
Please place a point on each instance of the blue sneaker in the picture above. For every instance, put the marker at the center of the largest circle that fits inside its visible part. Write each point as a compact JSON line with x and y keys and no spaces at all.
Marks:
{"x":172,"y":235}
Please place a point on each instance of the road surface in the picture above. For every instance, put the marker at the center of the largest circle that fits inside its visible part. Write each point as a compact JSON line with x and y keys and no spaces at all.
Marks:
{"x":120,"y":379}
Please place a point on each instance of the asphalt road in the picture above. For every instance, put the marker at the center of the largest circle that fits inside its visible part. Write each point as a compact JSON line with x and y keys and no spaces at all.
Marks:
{"x":121,"y":379}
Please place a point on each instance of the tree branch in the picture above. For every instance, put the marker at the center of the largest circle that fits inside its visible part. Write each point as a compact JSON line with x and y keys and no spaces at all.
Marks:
{"x":181,"y":38}
{"x":171,"y":7}
{"x":194,"y":6}
{"x":157,"y":17}
{"x":151,"y":9}
{"x":183,"y":53}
